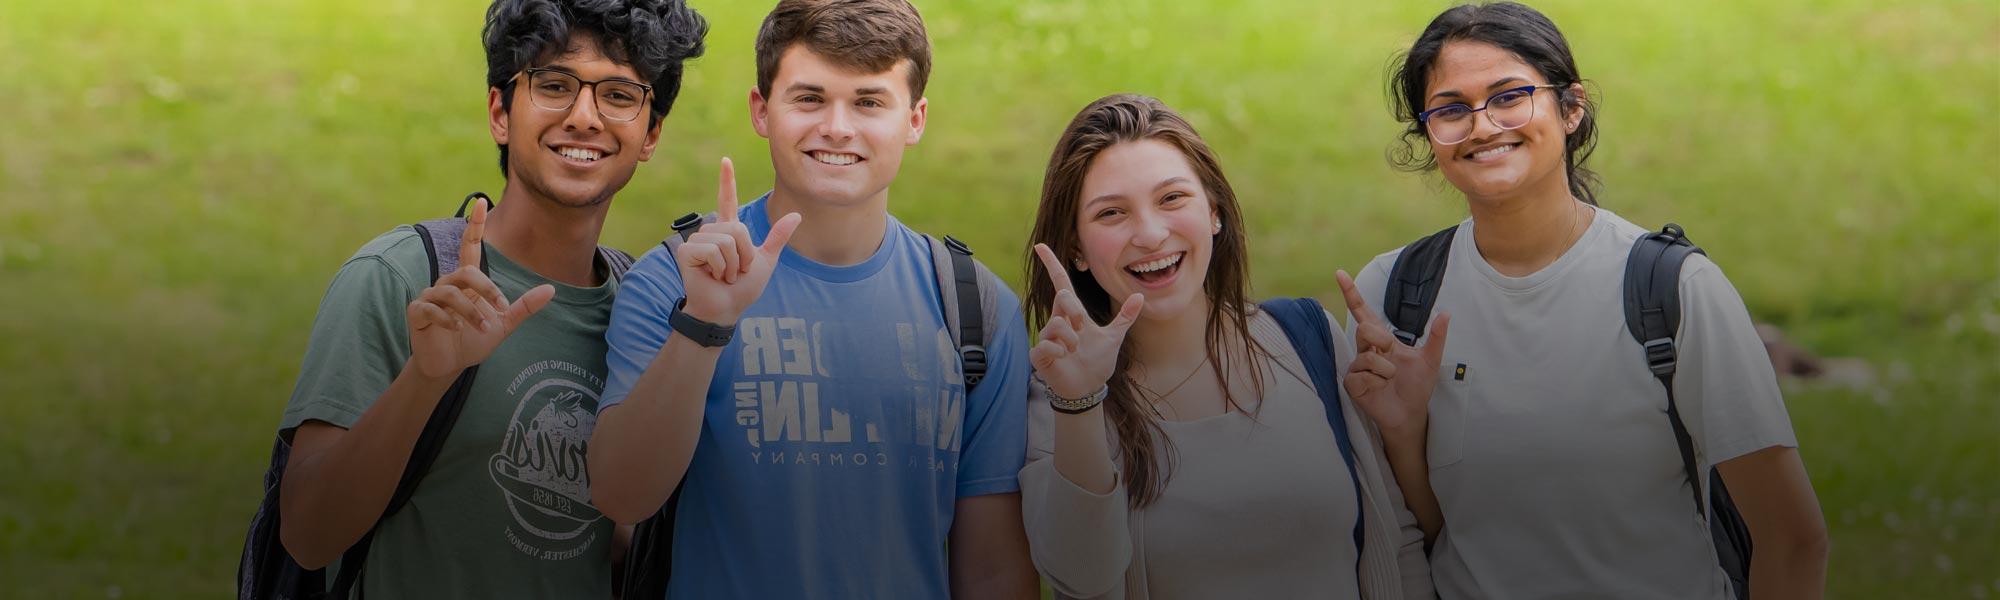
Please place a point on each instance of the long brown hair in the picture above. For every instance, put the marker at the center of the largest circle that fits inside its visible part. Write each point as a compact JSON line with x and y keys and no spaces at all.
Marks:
{"x":1109,"y":121}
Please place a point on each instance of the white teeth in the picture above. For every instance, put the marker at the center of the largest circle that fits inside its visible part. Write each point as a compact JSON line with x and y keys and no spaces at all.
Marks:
{"x":836,"y":158}
{"x":582,"y":154}
{"x":1148,"y":267}
{"x":1494,"y":151}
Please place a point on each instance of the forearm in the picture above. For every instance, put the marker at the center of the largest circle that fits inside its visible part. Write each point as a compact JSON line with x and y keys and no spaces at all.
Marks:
{"x":1408,"y":462}
{"x":1789,"y":570}
{"x":641,"y":447}
{"x":1082,"y":453}
{"x":333,"y":493}
{"x":989,"y":551}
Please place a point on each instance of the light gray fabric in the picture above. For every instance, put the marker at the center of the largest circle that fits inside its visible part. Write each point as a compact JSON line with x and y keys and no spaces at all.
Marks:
{"x":1553,"y":459}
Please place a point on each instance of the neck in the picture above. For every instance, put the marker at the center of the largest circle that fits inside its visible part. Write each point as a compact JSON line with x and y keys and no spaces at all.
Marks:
{"x":1520,"y":235}
{"x":1172,"y":345}
{"x":832,"y":234}
{"x":555,"y":241}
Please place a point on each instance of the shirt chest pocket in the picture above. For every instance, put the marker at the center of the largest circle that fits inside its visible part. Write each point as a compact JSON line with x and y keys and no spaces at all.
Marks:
{"x":1446,"y":439}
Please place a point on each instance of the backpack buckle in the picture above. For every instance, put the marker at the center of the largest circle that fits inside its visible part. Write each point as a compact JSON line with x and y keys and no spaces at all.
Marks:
{"x":1409,"y":339}
{"x":1661,"y":357}
{"x":957,"y":246}
{"x":687,"y":221}
{"x":973,"y":360}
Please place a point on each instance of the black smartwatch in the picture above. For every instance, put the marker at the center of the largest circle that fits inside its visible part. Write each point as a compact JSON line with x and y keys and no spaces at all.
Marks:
{"x":702,"y":332}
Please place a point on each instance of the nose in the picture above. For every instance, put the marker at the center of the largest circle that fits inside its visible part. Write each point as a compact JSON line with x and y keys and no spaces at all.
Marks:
{"x":583,"y":113}
{"x":1149,"y":229}
{"x":1483,"y":126}
{"x":838,"y":126}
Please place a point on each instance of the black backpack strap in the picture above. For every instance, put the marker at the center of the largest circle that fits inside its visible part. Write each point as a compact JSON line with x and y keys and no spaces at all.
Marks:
{"x":966,"y":308}
{"x":1653,"y":314}
{"x":1305,"y":324}
{"x":1413,"y":284}
{"x":441,"y":238}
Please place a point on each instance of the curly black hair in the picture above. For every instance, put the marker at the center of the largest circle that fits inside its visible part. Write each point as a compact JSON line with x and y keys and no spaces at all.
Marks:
{"x":654,"y":37}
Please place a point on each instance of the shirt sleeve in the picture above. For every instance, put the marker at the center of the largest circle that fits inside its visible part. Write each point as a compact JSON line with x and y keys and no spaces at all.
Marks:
{"x":639,"y":323}
{"x":359,"y":342}
{"x":996,"y":412}
{"x":1080,"y":541}
{"x":1728,"y":390}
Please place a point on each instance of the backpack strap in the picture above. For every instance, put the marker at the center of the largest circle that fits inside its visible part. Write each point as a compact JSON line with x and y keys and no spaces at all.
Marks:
{"x":441,"y":238}
{"x":649,"y":561}
{"x":1413,"y":284}
{"x":1653,"y":315}
{"x":684,"y":228}
{"x":1305,"y":324}
{"x":963,"y":287}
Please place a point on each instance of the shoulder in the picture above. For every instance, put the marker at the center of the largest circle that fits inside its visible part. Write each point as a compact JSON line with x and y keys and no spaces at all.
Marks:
{"x":395,"y":260}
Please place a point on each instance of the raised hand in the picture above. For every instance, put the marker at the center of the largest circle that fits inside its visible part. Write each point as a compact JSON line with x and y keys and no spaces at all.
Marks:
{"x":458,"y":321}
{"x":1390,"y":380}
{"x":723,"y":272}
{"x":1074,"y":355}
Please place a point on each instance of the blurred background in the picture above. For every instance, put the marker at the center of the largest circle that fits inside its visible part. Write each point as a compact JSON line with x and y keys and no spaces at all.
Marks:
{"x":179,"y":180}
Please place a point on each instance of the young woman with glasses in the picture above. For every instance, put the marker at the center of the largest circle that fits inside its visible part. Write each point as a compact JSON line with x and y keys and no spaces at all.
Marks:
{"x":1554,"y":469}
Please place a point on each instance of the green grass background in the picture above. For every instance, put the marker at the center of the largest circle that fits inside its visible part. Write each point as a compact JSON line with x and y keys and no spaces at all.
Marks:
{"x":178,"y":181}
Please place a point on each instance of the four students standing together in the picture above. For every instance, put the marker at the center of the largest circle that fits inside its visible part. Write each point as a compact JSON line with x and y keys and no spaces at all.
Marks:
{"x":801,"y":397}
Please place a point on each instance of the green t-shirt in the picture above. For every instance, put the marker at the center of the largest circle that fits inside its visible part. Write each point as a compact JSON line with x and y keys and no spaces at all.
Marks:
{"x":505,"y":511}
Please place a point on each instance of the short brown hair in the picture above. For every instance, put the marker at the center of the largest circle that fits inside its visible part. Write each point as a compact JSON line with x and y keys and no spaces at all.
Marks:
{"x":870,"y":36}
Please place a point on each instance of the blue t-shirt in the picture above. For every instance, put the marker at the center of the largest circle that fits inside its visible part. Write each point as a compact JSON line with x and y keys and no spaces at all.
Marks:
{"x":838,"y":433}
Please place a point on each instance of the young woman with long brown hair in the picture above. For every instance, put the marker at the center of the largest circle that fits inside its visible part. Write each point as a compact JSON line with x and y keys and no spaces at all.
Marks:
{"x":1179,"y":450}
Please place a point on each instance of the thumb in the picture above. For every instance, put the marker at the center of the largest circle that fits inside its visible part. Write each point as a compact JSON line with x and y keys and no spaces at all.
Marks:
{"x":1434,"y":341}
{"x":1127,"y":315}
{"x":527,"y":305}
{"x":781,"y":234}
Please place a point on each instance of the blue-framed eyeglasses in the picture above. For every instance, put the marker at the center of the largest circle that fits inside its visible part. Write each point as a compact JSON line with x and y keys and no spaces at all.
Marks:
{"x":1508,"y":109}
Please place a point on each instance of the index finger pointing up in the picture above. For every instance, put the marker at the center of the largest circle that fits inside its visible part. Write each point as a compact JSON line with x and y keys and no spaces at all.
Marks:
{"x":1057,"y":274}
{"x":1356,"y":305}
{"x":725,"y":193}
{"x":475,"y":231}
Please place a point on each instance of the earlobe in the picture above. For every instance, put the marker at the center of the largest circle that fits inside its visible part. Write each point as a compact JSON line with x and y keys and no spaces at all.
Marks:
{"x":760,"y":115}
{"x":496,"y":115}
{"x":652,"y":140}
{"x":919,"y":115}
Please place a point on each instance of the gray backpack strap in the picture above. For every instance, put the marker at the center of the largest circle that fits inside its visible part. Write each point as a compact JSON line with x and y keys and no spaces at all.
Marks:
{"x":615,"y":260}
{"x":966,"y":286}
{"x":684,"y":228}
{"x":441,"y":239}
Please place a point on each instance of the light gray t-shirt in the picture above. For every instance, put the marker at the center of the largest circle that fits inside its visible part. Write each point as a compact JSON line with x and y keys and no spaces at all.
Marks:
{"x":1552,"y":456}
{"x":1258,"y":506}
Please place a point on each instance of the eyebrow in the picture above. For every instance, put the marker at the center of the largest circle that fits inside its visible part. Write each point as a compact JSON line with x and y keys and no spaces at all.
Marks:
{"x":1114,"y":195}
{"x":1489,"y":87}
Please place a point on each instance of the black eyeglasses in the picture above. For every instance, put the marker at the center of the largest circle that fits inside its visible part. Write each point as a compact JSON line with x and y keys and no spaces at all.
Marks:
{"x":1509,"y":109}
{"x":617,"y":99}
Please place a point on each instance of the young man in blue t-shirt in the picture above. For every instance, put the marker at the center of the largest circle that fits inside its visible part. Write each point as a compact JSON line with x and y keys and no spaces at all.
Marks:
{"x":793,"y":377}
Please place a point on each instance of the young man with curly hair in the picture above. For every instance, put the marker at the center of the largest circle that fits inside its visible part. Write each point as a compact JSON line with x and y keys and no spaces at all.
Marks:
{"x":576,"y":93}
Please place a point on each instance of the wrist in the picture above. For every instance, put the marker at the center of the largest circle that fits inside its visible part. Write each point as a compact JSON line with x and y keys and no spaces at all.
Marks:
{"x":701,"y":310}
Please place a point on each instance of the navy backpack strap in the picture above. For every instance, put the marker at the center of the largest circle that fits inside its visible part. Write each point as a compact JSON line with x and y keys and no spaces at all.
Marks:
{"x":1306,"y":325}
{"x":1413,"y":284}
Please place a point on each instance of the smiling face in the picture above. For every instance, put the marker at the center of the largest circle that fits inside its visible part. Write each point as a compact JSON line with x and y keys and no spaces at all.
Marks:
{"x":1146,"y":226}
{"x":573,"y":157}
{"x":1494,"y":165}
{"x":836,"y":136}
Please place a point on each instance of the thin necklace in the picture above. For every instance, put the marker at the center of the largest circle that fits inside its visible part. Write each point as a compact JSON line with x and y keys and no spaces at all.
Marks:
{"x":1158,"y":397}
